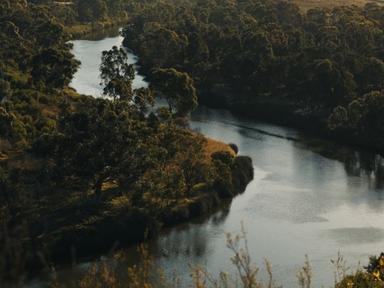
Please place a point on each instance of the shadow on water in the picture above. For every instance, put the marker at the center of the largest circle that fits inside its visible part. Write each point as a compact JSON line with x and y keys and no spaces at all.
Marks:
{"x":187,"y":239}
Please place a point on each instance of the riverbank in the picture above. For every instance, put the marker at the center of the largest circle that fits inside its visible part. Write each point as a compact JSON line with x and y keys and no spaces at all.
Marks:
{"x":83,"y":228}
{"x":83,"y":29}
{"x":282,"y":111}
{"x":115,"y":225}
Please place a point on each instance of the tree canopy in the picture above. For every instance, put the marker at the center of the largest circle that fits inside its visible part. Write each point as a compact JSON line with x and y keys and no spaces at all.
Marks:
{"x":250,"y":52}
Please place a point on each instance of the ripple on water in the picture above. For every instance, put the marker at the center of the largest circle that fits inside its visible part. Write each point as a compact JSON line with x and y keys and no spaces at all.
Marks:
{"x":355,"y":235}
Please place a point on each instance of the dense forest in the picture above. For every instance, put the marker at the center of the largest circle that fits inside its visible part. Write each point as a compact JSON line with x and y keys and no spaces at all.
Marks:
{"x":82,"y":11}
{"x":80,"y":17}
{"x":269,"y":59}
{"x":82,"y":172}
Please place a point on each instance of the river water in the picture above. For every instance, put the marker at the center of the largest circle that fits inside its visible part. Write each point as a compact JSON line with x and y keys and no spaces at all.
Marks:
{"x":303,"y":200}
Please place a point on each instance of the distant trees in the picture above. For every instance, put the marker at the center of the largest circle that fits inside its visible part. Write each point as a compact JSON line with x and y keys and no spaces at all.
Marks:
{"x":327,"y":85}
{"x":35,"y":62}
{"x":317,"y":61}
{"x":363,"y":116}
{"x":90,"y":10}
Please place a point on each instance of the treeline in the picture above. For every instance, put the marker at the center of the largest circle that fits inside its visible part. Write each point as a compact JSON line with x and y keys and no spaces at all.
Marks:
{"x":326,"y":63}
{"x":81,"y":172}
{"x":85,"y":11}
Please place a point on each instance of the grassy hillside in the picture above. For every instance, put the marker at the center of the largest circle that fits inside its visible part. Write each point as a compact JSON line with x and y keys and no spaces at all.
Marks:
{"x":308,"y":4}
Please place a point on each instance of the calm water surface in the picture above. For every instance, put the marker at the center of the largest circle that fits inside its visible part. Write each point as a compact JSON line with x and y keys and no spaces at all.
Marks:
{"x":301,"y":201}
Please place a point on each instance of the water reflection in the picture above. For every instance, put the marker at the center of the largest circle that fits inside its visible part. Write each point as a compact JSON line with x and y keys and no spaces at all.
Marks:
{"x":367,"y":165}
{"x":362,"y":164}
{"x":88,"y":51}
{"x":191,"y":239}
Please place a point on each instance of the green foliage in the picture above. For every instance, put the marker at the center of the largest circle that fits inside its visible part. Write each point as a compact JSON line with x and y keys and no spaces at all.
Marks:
{"x":373,"y":277}
{"x":117,"y":74}
{"x":5,"y":90}
{"x":265,"y":51}
{"x":11,"y":127}
{"x":178,"y":89}
{"x":223,"y":162}
{"x":363,"y":116}
{"x":360,"y":280}
{"x":53,"y":68}
{"x":91,"y":9}
{"x":376,"y":267}
{"x":35,"y":62}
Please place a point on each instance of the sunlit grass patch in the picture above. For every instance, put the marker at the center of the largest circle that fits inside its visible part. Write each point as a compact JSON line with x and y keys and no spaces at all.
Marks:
{"x":309,"y":4}
{"x":213,"y":146}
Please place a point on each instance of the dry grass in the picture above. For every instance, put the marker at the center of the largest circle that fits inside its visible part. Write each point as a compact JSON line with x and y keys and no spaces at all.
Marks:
{"x":308,"y":4}
{"x":109,"y":185}
{"x":213,"y":146}
{"x":3,"y":157}
{"x":78,"y":29}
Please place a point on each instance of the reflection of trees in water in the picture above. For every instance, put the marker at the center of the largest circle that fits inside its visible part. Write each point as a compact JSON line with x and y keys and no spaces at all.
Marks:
{"x":221,"y":215}
{"x":356,"y":163}
{"x":366,"y":164}
{"x":191,"y":239}
{"x":187,"y":242}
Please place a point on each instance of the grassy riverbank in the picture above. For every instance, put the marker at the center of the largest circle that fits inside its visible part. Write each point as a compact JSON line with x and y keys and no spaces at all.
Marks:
{"x":83,"y":29}
{"x":305,"y":5}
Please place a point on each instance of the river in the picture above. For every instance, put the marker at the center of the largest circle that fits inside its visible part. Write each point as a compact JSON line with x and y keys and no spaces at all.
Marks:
{"x":303,"y":200}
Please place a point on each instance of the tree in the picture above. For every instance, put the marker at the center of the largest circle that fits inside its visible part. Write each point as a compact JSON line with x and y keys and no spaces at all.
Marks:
{"x":95,"y":141}
{"x":53,"y":68}
{"x":91,"y":10}
{"x":363,"y":116}
{"x":327,"y":85}
{"x":117,"y":74}
{"x":177,"y":88}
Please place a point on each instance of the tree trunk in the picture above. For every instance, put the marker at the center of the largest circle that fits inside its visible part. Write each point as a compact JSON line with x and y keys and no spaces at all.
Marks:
{"x":97,"y":187}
